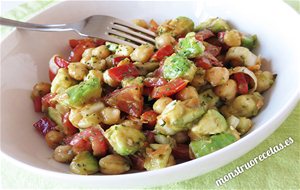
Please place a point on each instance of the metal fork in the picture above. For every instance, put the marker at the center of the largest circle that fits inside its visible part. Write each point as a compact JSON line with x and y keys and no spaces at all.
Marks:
{"x":99,"y":26}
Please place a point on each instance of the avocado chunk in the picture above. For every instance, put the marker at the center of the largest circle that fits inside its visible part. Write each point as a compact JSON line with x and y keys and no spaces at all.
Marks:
{"x":208,"y":99}
{"x":176,"y":27}
{"x":55,"y":116}
{"x":189,"y":46}
{"x":83,"y":92}
{"x":84,"y":163}
{"x":157,"y":156}
{"x":177,"y":66}
{"x":125,"y":140}
{"x":249,"y":41}
{"x":211,"y":123}
{"x":62,"y":81}
{"x":177,"y":116}
{"x":213,"y":24}
{"x":203,"y":147}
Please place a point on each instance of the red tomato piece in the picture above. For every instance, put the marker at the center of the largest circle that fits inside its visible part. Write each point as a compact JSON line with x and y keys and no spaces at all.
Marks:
{"x":60,"y":62}
{"x":76,"y":53}
{"x":163,"y":52}
{"x":51,"y":75}
{"x":117,"y":60}
{"x":149,"y":118}
{"x":44,"y":125}
{"x":120,"y":72}
{"x":37,"y":103}
{"x":158,"y":72}
{"x":241,"y":83}
{"x":212,"y":49}
{"x":97,"y":41}
{"x":169,"y":89}
{"x":47,"y":101}
{"x":204,"y":34}
{"x":154,"y":81}
{"x":128,"y":100}
{"x":90,"y":139}
{"x":147,"y":91}
{"x":181,"y":151}
{"x":68,"y":127}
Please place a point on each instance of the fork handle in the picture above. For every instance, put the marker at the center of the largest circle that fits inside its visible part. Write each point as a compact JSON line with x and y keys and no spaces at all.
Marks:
{"x":38,"y":27}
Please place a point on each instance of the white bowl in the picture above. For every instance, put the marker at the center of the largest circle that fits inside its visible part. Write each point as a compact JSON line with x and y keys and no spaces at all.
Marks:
{"x":25,"y":56}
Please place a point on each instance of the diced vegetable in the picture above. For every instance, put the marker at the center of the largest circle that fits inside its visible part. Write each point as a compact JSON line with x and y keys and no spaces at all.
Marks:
{"x":203,"y":35}
{"x":203,"y":147}
{"x":177,"y":66}
{"x":163,"y":52}
{"x":128,"y":99}
{"x":62,"y":81}
{"x":76,"y":53}
{"x":142,"y":53}
{"x":84,"y":164}
{"x":157,"y":156}
{"x":249,"y":41}
{"x":149,"y":118}
{"x":241,"y":56}
{"x":176,"y":27}
{"x":44,"y":125}
{"x":214,"y":24}
{"x":169,"y":89}
{"x":125,"y":140}
{"x":137,"y":81}
{"x":82,"y":93}
{"x":211,"y":123}
{"x":68,"y":127}
{"x":120,"y":72}
{"x":189,"y":46}
{"x":155,"y":81}
{"x":165,"y":39}
{"x":242,"y":84}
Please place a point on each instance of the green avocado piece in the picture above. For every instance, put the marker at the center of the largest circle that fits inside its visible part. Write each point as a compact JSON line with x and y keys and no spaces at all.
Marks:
{"x":83,"y":92}
{"x":208,"y":99}
{"x":203,"y":147}
{"x":55,"y":116}
{"x":213,"y":24}
{"x":177,"y":66}
{"x":249,"y":41}
{"x":125,"y":140}
{"x":189,"y":46}
{"x":211,"y":123}
{"x":84,"y":163}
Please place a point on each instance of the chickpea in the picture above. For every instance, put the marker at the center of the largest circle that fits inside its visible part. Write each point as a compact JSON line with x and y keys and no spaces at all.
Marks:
{"x":108,"y":80}
{"x":95,"y":74}
{"x":244,"y":125}
{"x":77,"y":70}
{"x":113,"y":164}
{"x":40,"y":89}
{"x":181,"y":137}
{"x":142,"y":53}
{"x":124,"y":62}
{"x":124,"y":50}
{"x":217,"y":75}
{"x":226,"y":91}
{"x":187,"y":93}
{"x":109,"y":61}
{"x":134,"y":124}
{"x":140,"y":22}
{"x":110,"y":115}
{"x":199,"y":78}
{"x":63,"y":153}
{"x":87,"y":53}
{"x":265,"y":80}
{"x":161,"y":104}
{"x":54,"y":138}
{"x":96,"y":63}
{"x":164,"y":39}
{"x":101,"y":52}
{"x":232,"y":38}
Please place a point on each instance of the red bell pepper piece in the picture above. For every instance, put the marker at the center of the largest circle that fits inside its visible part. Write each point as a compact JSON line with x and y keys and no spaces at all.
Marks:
{"x":163,"y":52}
{"x":51,"y":75}
{"x":120,"y":72}
{"x":60,"y":62}
{"x":97,"y":41}
{"x":47,"y":101}
{"x":117,"y":60}
{"x":76,"y":53}
{"x":149,"y":118}
{"x":37,"y":103}
{"x":68,"y":127}
{"x":242,"y":83}
{"x":169,"y":89}
{"x":44,"y":125}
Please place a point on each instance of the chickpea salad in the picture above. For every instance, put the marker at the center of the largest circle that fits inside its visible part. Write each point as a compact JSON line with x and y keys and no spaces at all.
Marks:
{"x":114,"y":109}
